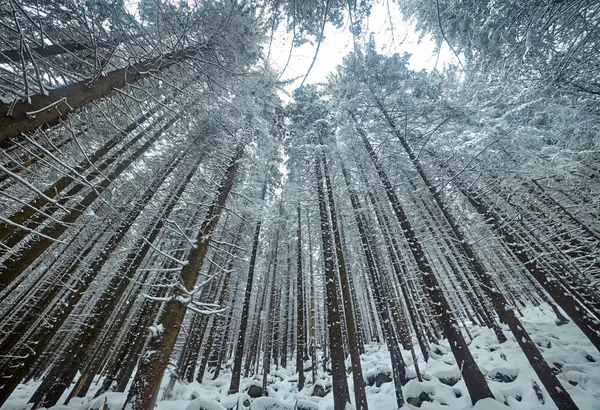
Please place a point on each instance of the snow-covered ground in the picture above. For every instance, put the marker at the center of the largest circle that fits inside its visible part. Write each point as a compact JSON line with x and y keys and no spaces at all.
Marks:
{"x":510,"y":377}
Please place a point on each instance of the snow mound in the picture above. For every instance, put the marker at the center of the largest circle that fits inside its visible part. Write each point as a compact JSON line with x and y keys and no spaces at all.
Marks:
{"x":267,"y":403}
{"x":204,"y":404}
{"x":488,"y":404}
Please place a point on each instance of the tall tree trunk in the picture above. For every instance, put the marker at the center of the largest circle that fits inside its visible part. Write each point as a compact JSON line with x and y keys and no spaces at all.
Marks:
{"x":47,"y":334}
{"x":48,"y":110}
{"x":220,"y":301}
{"x":577,"y":312}
{"x":134,"y":342}
{"x":63,"y":372}
{"x":300,"y":301}
{"x":144,"y":389}
{"x":25,"y":214}
{"x":474,"y":380}
{"x":313,"y":323}
{"x":381,"y":299}
{"x":360,"y":396}
{"x":341,"y":394}
{"x":236,"y":371}
{"x":471,"y":256}
{"x":269,"y":322}
{"x":14,"y":267}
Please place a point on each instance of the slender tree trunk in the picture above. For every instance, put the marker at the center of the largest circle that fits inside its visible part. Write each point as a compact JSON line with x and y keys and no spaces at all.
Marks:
{"x":471,"y":256}
{"x":26,"y":213}
{"x":269,"y":322}
{"x":360,"y":396}
{"x":287,"y":304}
{"x":63,"y":372}
{"x":14,"y":267}
{"x":300,"y":300}
{"x":474,"y":379}
{"x":381,"y":299}
{"x":577,"y":312}
{"x":210,"y":341}
{"x":400,"y":270}
{"x":236,"y":371}
{"x":313,"y":323}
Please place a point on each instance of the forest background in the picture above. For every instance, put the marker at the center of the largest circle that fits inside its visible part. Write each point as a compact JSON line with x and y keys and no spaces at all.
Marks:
{"x":165,"y":215}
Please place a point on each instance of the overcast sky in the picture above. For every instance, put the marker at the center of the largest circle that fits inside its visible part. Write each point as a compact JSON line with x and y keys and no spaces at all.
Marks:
{"x":396,"y":36}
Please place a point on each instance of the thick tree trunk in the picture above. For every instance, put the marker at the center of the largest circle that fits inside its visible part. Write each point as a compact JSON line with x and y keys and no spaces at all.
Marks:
{"x":144,"y":389}
{"x":341,"y":394}
{"x":48,"y":110}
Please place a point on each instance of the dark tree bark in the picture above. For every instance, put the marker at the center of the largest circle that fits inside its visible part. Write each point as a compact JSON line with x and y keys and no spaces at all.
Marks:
{"x":49,"y":110}
{"x":341,"y":394}
{"x":301,"y":310}
{"x":14,"y":267}
{"x":144,"y":389}
{"x":313,"y":322}
{"x":269,"y":324}
{"x":121,"y":365}
{"x":474,"y":380}
{"x":586,"y":322}
{"x":236,"y":371}
{"x":360,"y":396}
{"x":63,"y":372}
{"x":25,"y":214}
{"x":215,"y":325}
{"x":381,"y":297}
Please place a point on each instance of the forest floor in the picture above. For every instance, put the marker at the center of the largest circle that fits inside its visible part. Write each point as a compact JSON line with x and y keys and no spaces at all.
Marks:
{"x":510,"y":377}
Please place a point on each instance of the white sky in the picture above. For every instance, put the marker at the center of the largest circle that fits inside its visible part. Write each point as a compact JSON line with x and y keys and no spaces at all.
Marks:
{"x":397,"y":37}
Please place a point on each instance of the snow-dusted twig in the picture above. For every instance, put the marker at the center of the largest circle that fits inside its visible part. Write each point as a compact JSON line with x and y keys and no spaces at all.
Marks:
{"x":231,"y":245}
{"x":9,"y":222}
{"x":166,"y":255}
{"x":30,"y":186}
{"x":32,"y":114}
{"x":24,"y":203}
{"x":190,"y":241}
{"x":159,"y":270}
